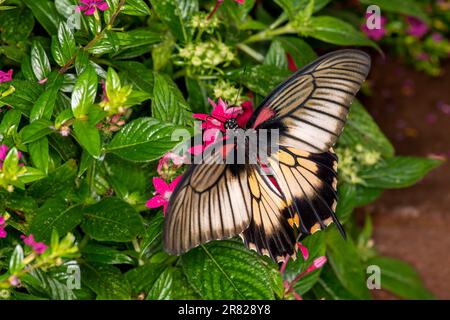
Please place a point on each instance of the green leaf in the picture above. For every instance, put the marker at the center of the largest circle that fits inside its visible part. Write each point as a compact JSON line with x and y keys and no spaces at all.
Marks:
{"x":43,"y":108}
{"x":143,"y":277}
{"x":59,"y":181}
{"x":162,"y":289}
{"x":261,"y":79}
{"x":292,"y":7}
{"x":143,"y":139}
{"x":227,"y":270}
{"x":346,"y":203}
{"x":406,"y":7}
{"x":24,"y":97}
{"x":36,"y":130}
{"x":45,"y":12}
{"x":276,"y":56}
{"x":347,"y":267}
{"x":237,"y":12}
{"x":54,"y":214}
{"x":120,"y":41}
{"x":152,"y":238}
{"x":176,"y":15}
{"x":106,"y":281}
{"x":136,"y":8}
{"x":329,"y":287}
{"x":39,"y":154}
{"x":39,"y":61}
{"x":362,"y":129}
{"x":137,"y":74}
{"x":88,"y":136}
{"x":96,"y":253}
{"x":299,"y":50}
{"x":400,"y":278}
{"x":335,"y":31}
{"x":197,"y":95}
{"x":15,"y":262}
{"x":84,"y":92}
{"x":16,"y":25}
{"x":168,"y":103}
{"x":397,"y":172}
{"x":66,"y":42}
{"x":112,"y":219}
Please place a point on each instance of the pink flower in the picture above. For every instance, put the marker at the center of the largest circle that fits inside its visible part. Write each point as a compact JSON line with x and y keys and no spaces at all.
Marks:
{"x":303,"y":250}
{"x":38,"y":247}
{"x":6,"y":76}
{"x":416,"y":27}
{"x":423,"y":56}
{"x":376,"y":34}
{"x":215,"y":123}
{"x":4,"y":152}
{"x":14,"y":281}
{"x":317,"y":263}
{"x":89,"y":6}
{"x":3,"y":233}
{"x":163,"y":191}
{"x":437,"y":37}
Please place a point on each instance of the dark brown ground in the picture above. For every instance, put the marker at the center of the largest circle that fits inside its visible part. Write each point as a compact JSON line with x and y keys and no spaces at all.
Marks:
{"x":414,"y":224}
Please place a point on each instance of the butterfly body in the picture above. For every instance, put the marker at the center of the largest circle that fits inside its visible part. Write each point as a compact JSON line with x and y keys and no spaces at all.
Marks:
{"x":272,"y":204}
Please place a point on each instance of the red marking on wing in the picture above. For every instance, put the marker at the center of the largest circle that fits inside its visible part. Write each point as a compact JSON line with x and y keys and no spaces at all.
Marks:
{"x":264,"y":115}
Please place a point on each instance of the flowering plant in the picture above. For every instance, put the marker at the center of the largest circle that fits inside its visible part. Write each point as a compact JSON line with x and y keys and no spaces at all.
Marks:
{"x":91,"y":94}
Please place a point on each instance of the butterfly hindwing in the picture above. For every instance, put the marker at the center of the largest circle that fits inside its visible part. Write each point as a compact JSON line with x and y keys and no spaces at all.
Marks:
{"x":308,"y":181}
{"x":311,"y":107}
{"x":269,"y":232}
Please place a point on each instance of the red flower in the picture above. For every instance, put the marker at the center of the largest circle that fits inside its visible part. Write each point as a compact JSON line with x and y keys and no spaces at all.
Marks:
{"x":163,"y":191}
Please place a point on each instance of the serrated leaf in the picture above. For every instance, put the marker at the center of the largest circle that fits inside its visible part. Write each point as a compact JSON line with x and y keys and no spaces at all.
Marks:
{"x":112,"y":219}
{"x":54,"y":214}
{"x":227,"y":270}
{"x":168,"y":104}
{"x":95,"y":253}
{"x":106,"y":281}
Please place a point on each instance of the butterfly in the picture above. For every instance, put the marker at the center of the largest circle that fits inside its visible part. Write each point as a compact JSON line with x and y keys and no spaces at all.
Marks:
{"x":271,"y":213}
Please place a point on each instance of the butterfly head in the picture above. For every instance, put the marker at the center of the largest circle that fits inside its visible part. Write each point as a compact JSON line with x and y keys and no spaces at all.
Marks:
{"x":231,"y":124}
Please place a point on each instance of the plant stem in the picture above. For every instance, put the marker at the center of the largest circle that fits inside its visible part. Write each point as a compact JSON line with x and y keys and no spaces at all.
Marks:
{"x":269,"y":34}
{"x":251,"y":52}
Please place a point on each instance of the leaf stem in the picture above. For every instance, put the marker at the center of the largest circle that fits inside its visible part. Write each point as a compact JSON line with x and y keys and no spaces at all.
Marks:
{"x":251,"y":52}
{"x":97,"y":37}
{"x":269,"y":34}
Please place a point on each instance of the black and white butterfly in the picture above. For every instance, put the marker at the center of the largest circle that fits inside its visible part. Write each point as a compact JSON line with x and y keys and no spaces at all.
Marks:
{"x":219,"y":201}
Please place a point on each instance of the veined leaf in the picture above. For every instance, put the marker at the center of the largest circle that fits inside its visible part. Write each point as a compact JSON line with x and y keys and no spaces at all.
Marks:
{"x":84,"y":92}
{"x":39,"y":61}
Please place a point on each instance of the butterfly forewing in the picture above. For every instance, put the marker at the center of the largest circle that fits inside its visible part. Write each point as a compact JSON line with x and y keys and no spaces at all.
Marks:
{"x":311,"y":107}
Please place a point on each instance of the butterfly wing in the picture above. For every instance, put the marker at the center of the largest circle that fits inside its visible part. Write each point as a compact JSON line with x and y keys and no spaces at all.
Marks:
{"x":269,"y":232}
{"x":311,"y":107}
{"x":210,"y":202}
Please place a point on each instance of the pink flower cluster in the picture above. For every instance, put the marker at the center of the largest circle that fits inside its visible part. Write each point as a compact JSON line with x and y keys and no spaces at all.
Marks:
{"x":376,"y":34}
{"x":6,"y":76}
{"x":3,"y":233}
{"x":88,"y":7}
{"x":212,"y":125}
{"x":316,"y":264}
{"x":37,"y":247}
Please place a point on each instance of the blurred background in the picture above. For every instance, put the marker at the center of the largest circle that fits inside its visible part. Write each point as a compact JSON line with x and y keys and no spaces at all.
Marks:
{"x":413,"y":110}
